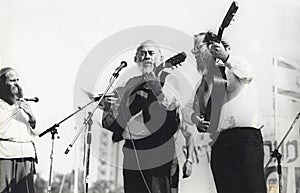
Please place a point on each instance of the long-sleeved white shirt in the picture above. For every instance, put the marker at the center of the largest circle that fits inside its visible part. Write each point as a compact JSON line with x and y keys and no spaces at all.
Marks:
{"x":240,"y":105}
{"x":16,"y":135}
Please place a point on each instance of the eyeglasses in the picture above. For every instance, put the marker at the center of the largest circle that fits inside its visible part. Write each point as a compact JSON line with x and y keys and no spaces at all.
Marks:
{"x":197,"y":48}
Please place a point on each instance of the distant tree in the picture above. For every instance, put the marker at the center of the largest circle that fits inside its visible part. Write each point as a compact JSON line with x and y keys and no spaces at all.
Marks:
{"x":40,"y":184}
{"x":103,"y":186}
{"x":63,"y":182}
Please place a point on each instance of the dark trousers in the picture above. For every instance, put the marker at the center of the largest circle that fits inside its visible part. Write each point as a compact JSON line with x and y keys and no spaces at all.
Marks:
{"x":148,"y":168}
{"x":174,"y":180}
{"x":237,"y":161}
{"x":16,"y":175}
{"x":134,"y":182}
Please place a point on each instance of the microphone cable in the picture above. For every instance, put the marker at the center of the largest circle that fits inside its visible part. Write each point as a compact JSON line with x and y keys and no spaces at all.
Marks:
{"x":136,"y":154}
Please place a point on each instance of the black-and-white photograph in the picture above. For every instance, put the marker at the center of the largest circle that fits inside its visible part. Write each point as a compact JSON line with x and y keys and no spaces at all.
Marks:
{"x":195,"y":96}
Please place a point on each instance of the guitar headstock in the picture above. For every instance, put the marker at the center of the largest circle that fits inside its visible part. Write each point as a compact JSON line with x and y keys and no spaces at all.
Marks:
{"x":230,"y":14}
{"x":171,"y":62}
{"x":228,"y":18}
{"x":175,"y":60}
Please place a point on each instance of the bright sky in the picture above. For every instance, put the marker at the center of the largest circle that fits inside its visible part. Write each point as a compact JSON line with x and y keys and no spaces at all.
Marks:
{"x":47,"y":42}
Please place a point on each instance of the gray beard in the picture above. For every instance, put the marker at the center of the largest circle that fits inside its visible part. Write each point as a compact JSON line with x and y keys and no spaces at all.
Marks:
{"x":204,"y":61}
{"x":146,"y":70}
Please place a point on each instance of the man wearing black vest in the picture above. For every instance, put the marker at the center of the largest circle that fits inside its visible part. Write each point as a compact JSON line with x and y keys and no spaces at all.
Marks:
{"x":146,"y":118}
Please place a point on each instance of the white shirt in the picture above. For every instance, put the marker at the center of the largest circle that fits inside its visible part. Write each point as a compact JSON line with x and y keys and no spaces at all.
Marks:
{"x":240,"y":106}
{"x":16,"y":135}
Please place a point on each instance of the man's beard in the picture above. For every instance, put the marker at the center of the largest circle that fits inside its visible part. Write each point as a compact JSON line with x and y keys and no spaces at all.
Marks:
{"x":204,"y":61}
{"x":16,"y":94}
{"x":146,"y":69}
{"x":8,"y":94}
{"x":20,"y":92}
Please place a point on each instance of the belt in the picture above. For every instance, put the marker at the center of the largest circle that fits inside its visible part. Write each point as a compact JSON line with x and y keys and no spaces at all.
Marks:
{"x":14,"y":141}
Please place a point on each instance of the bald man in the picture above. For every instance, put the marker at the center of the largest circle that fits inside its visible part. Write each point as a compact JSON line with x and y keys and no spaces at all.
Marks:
{"x":146,"y":118}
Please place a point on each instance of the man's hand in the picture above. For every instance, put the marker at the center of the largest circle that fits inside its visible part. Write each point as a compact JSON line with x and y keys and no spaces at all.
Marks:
{"x":187,"y":169}
{"x":26,"y":108}
{"x":153,"y":82}
{"x":217,"y":50}
{"x":201,"y":124}
{"x":109,"y":101}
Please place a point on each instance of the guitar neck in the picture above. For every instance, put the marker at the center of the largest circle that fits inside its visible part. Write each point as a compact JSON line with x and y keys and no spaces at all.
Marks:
{"x":227,"y":19}
{"x":159,"y":68}
{"x":220,"y":33}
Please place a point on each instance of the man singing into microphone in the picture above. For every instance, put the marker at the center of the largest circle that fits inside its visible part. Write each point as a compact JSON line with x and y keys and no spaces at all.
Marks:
{"x":146,"y":118}
{"x":17,"y":150}
{"x":226,"y":105}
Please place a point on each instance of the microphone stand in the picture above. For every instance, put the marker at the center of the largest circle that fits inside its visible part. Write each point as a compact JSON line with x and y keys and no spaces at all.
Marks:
{"x":278,"y":156}
{"x":87,"y":121}
{"x":88,"y":141}
{"x":84,"y":125}
{"x":53,"y":132}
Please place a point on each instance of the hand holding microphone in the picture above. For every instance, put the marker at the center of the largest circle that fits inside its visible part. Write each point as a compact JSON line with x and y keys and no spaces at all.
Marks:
{"x":26,"y":108}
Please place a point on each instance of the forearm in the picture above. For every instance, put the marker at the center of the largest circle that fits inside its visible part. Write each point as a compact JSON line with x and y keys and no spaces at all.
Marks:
{"x":187,"y":114}
{"x":32,"y":121}
{"x":190,"y":148}
{"x":240,"y":67}
{"x":188,"y":134}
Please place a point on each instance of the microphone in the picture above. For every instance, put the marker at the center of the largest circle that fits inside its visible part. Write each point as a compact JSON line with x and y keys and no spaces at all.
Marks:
{"x":34,"y":99}
{"x":119,"y":68}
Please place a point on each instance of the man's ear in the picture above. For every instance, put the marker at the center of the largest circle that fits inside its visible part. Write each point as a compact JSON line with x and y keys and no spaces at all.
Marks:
{"x":135,"y":59}
{"x":228,"y":49}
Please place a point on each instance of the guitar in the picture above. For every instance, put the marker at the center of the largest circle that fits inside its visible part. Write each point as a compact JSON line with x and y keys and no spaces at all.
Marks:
{"x":213,"y":108}
{"x":122,"y":92}
{"x":171,"y":62}
{"x":227,"y":19}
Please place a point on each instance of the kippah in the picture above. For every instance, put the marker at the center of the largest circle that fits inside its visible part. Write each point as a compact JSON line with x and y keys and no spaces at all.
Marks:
{"x":3,"y":71}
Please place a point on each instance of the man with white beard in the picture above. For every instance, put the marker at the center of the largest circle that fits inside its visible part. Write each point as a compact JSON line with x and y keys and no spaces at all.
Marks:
{"x":146,"y":118}
{"x":226,"y":105}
